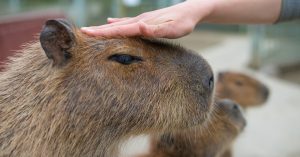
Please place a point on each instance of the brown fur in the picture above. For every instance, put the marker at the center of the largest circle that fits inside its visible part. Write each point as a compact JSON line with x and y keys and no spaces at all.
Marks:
{"x":211,"y":140}
{"x":88,"y":104}
{"x":241,"y":88}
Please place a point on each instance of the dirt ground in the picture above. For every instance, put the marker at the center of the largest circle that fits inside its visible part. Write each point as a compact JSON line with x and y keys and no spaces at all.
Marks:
{"x":273,"y":130}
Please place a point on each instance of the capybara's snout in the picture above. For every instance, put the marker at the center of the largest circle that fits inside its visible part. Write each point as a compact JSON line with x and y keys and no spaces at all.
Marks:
{"x":232,"y":111}
{"x":265,"y":92}
{"x":200,"y":83}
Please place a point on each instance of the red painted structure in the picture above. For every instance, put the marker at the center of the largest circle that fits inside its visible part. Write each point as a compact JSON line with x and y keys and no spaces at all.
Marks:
{"x":19,"y":29}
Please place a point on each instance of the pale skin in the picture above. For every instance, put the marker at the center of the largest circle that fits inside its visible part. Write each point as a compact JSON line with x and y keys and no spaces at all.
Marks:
{"x":179,"y":20}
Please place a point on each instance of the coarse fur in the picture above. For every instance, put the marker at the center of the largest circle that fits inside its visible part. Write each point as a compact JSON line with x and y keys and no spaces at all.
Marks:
{"x":243,"y":89}
{"x":77,"y":102}
{"x":210,"y":140}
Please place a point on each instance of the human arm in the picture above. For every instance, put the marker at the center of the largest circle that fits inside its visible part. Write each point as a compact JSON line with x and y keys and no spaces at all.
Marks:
{"x":245,"y":11}
{"x":179,"y":20}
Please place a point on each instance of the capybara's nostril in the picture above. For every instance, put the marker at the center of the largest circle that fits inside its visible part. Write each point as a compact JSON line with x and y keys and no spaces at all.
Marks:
{"x":266,"y":92}
{"x":235,"y":107}
{"x":209,"y":82}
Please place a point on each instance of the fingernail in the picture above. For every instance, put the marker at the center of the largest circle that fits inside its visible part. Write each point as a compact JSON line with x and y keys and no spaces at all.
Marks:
{"x":86,"y":30}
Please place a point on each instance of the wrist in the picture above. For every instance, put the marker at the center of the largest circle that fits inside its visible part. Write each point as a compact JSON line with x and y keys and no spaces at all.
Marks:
{"x":202,"y":9}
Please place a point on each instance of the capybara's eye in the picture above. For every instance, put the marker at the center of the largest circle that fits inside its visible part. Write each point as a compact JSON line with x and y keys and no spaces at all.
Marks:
{"x":211,"y":82}
{"x":124,"y":58}
{"x":235,"y":107}
{"x":238,"y":83}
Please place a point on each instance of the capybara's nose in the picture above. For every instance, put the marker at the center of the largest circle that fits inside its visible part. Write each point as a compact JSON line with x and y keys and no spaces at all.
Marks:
{"x":209,"y":82}
{"x":266,"y":92}
{"x":235,"y":107}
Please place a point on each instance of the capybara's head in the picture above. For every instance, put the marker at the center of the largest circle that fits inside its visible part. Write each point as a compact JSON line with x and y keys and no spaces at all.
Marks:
{"x":90,"y":91}
{"x":241,"y":88}
{"x":231,"y":116}
{"x":139,"y":84}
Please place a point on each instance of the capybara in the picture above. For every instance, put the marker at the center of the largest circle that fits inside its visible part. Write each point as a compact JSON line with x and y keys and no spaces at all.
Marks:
{"x":75,"y":95}
{"x":243,"y":89}
{"x":210,"y":140}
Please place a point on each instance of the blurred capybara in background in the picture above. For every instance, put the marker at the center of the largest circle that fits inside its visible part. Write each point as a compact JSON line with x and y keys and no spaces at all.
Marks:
{"x":241,"y":88}
{"x":211,"y":140}
{"x":86,"y":94}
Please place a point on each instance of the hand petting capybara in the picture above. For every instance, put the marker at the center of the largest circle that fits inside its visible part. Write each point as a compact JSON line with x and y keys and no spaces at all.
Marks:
{"x":241,"y":88}
{"x":75,"y":95}
{"x":210,"y":140}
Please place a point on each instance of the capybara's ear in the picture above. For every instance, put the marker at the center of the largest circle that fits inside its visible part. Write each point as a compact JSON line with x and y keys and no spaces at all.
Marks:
{"x":57,"y":38}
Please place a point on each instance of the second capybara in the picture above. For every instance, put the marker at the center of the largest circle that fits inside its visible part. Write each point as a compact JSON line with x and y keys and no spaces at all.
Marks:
{"x":241,"y":88}
{"x":212,"y":140}
{"x":74,"y":95}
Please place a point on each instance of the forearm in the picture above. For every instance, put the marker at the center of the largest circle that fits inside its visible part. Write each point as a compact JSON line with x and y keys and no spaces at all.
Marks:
{"x":240,"y":11}
{"x":179,"y":20}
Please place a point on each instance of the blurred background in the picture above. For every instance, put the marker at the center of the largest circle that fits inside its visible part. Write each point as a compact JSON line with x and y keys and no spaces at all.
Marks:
{"x":270,"y":53}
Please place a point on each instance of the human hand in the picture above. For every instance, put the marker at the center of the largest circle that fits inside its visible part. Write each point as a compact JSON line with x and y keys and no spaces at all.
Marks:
{"x":172,"y":22}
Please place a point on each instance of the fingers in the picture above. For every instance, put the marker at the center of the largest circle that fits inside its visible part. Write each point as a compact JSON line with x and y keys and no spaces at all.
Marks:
{"x":115,"y":31}
{"x":112,"y":22}
{"x":116,"y":23}
{"x":163,"y":23}
{"x":164,"y":30}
